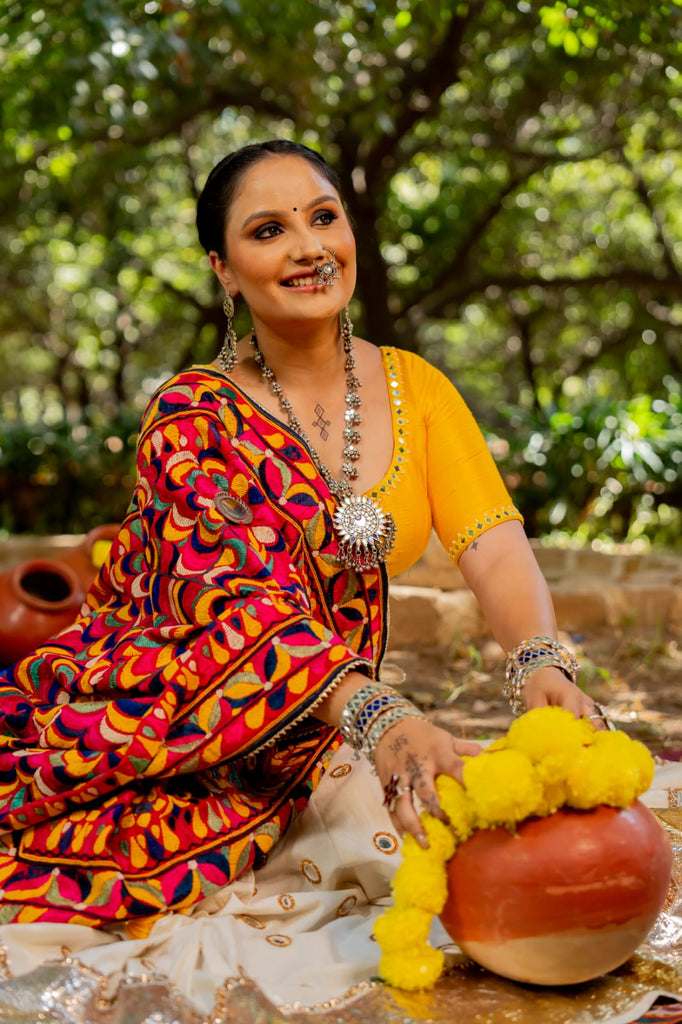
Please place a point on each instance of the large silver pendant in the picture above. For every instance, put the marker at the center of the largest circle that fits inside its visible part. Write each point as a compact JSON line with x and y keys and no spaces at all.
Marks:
{"x":366,"y":533}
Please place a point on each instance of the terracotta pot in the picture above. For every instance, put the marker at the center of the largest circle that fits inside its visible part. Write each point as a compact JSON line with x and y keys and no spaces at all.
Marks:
{"x":86,"y":558}
{"x":37,"y":599}
{"x":569,"y":897}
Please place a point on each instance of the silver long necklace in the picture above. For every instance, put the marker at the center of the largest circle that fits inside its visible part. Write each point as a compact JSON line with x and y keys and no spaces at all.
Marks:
{"x":365,"y":532}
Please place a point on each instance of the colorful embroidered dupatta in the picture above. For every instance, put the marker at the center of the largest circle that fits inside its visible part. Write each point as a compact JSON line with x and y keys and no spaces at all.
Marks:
{"x":161,"y":745}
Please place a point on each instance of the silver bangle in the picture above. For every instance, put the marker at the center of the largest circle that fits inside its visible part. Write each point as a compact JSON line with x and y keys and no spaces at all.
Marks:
{"x":362,"y":708}
{"x":386,"y":722}
{"x":369,"y":713}
{"x":365,"y":692}
{"x":528,"y":656}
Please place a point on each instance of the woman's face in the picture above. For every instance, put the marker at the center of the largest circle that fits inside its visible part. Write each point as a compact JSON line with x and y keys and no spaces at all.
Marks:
{"x":283,"y":215}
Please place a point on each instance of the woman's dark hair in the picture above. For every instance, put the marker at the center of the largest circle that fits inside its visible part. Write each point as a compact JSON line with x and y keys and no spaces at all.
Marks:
{"x":223,"y":181}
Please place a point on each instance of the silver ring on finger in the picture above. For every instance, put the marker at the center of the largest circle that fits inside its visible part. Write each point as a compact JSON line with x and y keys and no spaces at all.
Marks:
{"x":600,"y":713}
{"x":401,"y":791}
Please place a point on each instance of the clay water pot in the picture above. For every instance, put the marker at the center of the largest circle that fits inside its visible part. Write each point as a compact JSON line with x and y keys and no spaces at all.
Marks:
{"x":37,"y":599}
{"x":569,"y":897}
{"x":86,"y":558}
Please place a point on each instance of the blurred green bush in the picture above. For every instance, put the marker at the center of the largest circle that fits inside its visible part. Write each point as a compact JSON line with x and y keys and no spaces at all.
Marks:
{"x":592,"y":468}
{"x":595,"y":468}
{"x":65,"y":479}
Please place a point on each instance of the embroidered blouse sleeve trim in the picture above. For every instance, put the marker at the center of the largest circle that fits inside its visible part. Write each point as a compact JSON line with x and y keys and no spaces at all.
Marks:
{"x":492,"y":517}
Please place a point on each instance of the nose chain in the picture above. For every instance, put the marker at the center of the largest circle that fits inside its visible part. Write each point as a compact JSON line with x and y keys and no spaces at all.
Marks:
{"x":366,"y":533}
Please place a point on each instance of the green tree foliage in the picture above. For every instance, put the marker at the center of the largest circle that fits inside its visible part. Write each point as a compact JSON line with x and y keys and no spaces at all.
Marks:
{"x":514,"y":173}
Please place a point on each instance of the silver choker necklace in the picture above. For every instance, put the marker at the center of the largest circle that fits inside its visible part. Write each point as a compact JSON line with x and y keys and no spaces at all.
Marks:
{"x":365,"y":532}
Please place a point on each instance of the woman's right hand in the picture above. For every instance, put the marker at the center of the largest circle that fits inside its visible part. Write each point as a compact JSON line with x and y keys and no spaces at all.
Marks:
{"x":416,"y":751}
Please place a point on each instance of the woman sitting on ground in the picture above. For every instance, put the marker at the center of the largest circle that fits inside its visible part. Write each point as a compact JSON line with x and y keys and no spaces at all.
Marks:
{"x":207,"y":708}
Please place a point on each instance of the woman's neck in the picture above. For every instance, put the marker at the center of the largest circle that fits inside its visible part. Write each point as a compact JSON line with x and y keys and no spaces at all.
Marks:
{"x":305,"y":354}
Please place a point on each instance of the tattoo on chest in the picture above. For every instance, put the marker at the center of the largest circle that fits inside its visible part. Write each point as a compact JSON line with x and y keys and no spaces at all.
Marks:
{"x":321,"y":423}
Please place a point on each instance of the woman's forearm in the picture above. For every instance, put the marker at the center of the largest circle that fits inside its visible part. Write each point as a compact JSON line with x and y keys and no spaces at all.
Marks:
{"x":329,"y":710}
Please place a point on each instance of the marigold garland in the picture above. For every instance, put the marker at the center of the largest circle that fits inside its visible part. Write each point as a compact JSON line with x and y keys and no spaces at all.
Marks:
{"x":548,"y":759}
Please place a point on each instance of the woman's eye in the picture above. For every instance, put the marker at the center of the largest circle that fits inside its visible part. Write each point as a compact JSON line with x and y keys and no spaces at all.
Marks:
{"x":267,"y":231}
{"x":325,"y":217}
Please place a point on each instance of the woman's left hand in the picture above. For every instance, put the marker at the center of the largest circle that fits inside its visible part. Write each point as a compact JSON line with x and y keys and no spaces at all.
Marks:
{"x":550,"y":686}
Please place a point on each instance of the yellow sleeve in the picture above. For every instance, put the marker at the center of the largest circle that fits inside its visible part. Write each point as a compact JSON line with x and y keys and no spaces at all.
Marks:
{"x":466,"y":492}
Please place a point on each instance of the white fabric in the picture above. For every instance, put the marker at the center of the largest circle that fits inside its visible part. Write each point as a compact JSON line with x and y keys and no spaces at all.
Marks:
{"x":300,"y":926}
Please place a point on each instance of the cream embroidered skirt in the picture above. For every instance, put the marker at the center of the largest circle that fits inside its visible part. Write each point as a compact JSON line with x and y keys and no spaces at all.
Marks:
{"x":300,"y":927}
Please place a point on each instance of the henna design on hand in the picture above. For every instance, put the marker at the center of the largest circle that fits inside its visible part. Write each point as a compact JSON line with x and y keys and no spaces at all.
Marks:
{"x":415,"y":766}
{"x":397,"y":743}
{"x":432,"y":806}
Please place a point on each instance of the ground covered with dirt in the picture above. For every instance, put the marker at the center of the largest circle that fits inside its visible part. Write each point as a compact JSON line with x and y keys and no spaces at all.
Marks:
{"x":635,"y":674}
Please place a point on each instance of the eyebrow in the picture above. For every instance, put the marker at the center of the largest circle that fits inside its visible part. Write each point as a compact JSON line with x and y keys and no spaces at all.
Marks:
{"x":279,"y":213}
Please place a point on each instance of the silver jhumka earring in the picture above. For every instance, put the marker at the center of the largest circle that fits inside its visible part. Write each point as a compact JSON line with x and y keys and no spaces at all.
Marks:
{"x":227,"y":357}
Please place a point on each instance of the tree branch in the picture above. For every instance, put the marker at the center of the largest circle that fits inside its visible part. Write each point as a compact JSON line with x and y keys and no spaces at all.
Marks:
{"x":582,"y":361}
{"x":435,"y":304}
{"x":523,"y":326}
{"x":476,"y":230}
{"x":172,"y":121}
{"x":645,"y":196}
{"x":424,"y":89}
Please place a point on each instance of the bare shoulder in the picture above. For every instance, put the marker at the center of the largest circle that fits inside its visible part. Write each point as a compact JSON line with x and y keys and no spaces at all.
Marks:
{"x":368,"y":356}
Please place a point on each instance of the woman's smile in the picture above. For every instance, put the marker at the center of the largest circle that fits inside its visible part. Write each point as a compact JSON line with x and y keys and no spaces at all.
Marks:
{"x":308,"y":281}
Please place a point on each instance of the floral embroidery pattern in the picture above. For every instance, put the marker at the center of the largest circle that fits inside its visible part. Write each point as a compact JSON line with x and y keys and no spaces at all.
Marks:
{"x":127,"y":769}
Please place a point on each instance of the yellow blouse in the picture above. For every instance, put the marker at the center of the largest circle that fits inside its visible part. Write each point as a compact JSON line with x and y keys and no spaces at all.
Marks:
{"x":442,"y":473}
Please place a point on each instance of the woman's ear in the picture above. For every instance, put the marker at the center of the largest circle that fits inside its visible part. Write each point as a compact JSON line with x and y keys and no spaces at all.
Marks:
{"x":222,"y":272}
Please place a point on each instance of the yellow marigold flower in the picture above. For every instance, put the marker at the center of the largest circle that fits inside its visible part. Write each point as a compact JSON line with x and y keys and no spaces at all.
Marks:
{"x":499,"y":744}
{"x":614,"y":770}
{"x":100,"y":553}
{"x":551,"y":737}
{"x":421,"y":881}
{"x":440,"y":838}
{"x":593,"y":780}
{"x":456,"y":804}
{"x":588,"y":730}
{"x":503,"y":787}
{"x":414,"y":971}
{"x":402,"y":929}
{"x":554,"y":796}
{"x":628,"y":753}
{"x":645,"y":763}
